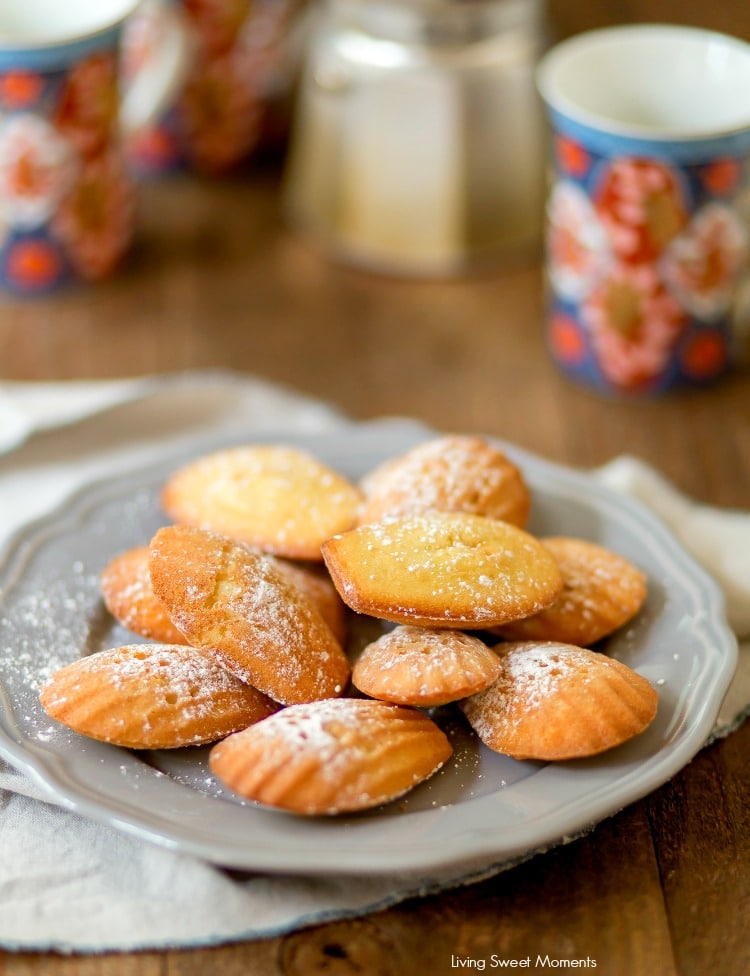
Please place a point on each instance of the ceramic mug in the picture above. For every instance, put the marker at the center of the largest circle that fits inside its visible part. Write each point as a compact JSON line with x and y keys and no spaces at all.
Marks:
{"x":647,"y":215}
{"x":244,"y":55}
{"x":66,"y":201}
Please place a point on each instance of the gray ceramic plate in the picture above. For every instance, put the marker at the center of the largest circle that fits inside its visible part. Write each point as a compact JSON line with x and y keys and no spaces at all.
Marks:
{"x":481,"y":809}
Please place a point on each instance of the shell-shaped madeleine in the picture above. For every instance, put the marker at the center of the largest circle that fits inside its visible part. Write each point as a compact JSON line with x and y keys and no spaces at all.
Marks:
{"x":443,"y":570}
{"x":455,"y":473}
{"x":555,"y":701}
{"x":129,"y":597}
{"x":314,"y":581}
{"x":152,"y":696}
{"x":276,"y":498}
{"x":331,"y":757}
{"x":239,"y":606}
{"x":602,"y":591}
{"x":424,"y":666}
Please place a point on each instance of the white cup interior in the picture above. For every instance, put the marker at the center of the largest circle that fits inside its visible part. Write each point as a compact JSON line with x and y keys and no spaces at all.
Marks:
{"x":657,"y":81}
{"x":35,"y":22}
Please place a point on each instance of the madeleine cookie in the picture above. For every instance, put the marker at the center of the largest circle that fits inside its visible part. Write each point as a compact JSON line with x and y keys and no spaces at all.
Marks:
{"x":314,"y":581}
{"x":330,"y":757}
{"x":129,"y":597}
{"x":239,"y":605}
{"x":152,"y":696}
{"x":278,"y":499}
{"x":424,"y":666}
{"x":554,"y":701}
{"x":456,"y":473}
{"x":443,"y":570}
{"x":601,"y":592}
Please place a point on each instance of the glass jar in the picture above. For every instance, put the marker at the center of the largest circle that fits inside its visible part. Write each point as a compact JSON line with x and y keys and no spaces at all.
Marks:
{"x":418,"y":141}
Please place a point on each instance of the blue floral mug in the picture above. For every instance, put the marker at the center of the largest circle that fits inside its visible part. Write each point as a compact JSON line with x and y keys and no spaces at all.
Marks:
{"x":647,"y":217}
{"x":66,"y":200}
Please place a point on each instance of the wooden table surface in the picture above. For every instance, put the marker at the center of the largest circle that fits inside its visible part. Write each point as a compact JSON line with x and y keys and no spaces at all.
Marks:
{"x":216,"y":280}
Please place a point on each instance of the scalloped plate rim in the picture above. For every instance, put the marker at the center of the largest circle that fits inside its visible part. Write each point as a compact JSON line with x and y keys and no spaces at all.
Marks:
{"x":465,"y":837}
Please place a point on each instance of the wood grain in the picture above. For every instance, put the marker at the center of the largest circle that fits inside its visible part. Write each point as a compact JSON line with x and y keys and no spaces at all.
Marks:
{"x":218,"y":280}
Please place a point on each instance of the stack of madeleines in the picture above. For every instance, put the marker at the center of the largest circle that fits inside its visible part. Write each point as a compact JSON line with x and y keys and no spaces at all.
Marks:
{"x":241,"y":608}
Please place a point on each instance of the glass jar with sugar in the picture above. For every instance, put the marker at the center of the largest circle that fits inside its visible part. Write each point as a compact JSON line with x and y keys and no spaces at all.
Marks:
{"x":418,"y":142}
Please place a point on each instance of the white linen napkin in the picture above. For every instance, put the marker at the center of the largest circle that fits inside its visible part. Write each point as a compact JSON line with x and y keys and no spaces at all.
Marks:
{"x":718,"y":539}
{"x":72,"y":885}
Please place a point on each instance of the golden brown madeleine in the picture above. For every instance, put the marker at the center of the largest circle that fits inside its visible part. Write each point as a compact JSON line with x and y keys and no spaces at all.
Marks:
{"x":330,"y":757}
{"x":424,"y":666}
{"x":239,"y":605}
{"x":152,"y":696}
{"x":555,"y":701}
{"x":129,"y":597}
{"x":313,"y":579}
{"x":601,"y":592}
{"x":455,"y":473}
{"x":443,"y":570}
{"x":276,"y":498}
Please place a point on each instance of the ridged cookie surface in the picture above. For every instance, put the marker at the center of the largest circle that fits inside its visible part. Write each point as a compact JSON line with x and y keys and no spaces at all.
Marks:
{"x":277,"y":498}
{"x":332,"y":757}
{"x":455,"y":473}
{"x":443,"y":570}
{"x":423,"y":666}
{"x":555,"y":701}
{"x":152,"y":696}
{"x":314,"y":581}
{"x":601,"y":592}
{"x":129,"y":597}
{"x":240,"y":606}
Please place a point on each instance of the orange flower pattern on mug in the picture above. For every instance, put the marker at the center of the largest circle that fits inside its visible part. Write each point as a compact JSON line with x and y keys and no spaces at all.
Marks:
{"x":33,"y":263}
{"x":88,"y":107}
{"x":573,"y":156}
{"x":634,"y":322}
{"x":723,"y":176}
{"x":643,"y":259}
{"x":221,"y":113}
{"x":240,"y":64}
{"x":19,"y":89}
{"x":95,"y":220}
{"x":218,"y":22}
{"x":67,"y":210}
{"x":566,"y":340}
{"x":701,"y":264}
{"x":37,"y":166}
{"x":578,"y":247}
{"x":705,"y":355}
{"x":641,"y":206}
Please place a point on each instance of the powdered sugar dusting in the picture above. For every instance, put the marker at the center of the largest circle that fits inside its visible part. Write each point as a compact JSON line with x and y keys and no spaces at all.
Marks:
{"x":449,"y":566}
{"x":49,"y":626}
{"x":532,"y":674}
{"x":151,"y":696}
{"x":62,"y":617}
{"x":239,"y":604}
{"x":178,"y":670}
{"x":425,"y":667}
{"x":318,"y":726}
{"x":535,"y":672}
{"x":51,"y":610}
{"x":332,"y":756}
{"x":452,"y":473}
{"x":277,"y":497}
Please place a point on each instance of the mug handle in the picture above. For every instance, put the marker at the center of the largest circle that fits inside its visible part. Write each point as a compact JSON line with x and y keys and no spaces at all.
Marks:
{"x":156,"y":84}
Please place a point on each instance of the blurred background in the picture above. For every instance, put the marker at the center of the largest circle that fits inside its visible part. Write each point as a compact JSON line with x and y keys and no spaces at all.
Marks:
{"x":228,"y":268}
